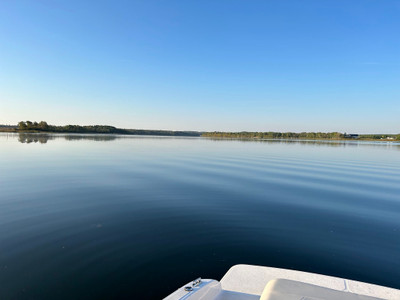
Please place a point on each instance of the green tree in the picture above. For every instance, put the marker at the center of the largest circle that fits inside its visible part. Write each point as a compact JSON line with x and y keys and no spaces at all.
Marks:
{"x":22,"y":125}
{"x":43,"y":125}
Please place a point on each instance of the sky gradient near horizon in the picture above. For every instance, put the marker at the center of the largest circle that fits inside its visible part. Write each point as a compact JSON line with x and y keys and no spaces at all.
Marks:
{"x":227,"y":65}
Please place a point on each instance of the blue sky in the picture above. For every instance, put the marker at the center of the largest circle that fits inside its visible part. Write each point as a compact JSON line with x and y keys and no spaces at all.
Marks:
{"x":271,"y":65}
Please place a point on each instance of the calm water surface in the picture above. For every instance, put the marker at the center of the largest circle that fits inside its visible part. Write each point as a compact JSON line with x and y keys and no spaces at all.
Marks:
{"x":123,"y":217}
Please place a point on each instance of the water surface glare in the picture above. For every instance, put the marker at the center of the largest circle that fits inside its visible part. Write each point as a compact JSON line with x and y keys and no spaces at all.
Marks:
{"x":128,"y":217}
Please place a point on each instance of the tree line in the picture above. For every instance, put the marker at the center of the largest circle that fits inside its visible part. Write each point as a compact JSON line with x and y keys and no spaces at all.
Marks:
{"x":44,"y":127}
{"x":276,"y":135}
{"x":295,"y":135}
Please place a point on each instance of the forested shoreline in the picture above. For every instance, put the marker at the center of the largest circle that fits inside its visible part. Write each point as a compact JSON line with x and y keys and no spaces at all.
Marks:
{"x":42,"y":126}
{"x":276,"y":135}
{"x":301,"y":135}
{"x":28,"y":126}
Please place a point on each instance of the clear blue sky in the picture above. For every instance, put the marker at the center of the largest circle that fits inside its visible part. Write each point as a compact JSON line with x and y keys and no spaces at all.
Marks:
{"x":270,"y":65}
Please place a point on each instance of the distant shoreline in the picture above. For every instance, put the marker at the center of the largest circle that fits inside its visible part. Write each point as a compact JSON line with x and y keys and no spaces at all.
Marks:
{"x":139,"y":132}
{"x":201,"y":135}
{"x":43,"y":127}
{"x":303,"y":139}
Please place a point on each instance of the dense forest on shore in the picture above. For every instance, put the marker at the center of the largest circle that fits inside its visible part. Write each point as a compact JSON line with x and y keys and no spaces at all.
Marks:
{"x":42,"y":126}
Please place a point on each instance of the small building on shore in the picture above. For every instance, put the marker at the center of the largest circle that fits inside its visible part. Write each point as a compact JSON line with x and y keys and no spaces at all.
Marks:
{"x":351,"y":136}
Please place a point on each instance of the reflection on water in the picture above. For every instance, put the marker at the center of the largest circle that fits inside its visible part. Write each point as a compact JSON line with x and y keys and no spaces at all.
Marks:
{"x":327,"y":143}
{"x":34,"y":138}
{"x":45,"y":137}
{"x":82,"y":219}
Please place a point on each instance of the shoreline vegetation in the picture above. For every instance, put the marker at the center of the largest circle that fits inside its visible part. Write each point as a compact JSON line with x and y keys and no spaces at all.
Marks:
{"x":301,"y":136}
{"x":43,"y":127}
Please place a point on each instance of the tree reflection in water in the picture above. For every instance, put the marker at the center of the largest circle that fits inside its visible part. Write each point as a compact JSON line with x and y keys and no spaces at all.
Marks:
{"x":42,"y":138}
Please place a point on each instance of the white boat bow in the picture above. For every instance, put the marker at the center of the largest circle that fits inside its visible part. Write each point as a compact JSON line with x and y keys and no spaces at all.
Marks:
{"x":248,"y":282}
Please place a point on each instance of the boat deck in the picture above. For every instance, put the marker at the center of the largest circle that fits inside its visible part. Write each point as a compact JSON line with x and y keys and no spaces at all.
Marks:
{"x":248,"y":282}
{"x":251,"y":279}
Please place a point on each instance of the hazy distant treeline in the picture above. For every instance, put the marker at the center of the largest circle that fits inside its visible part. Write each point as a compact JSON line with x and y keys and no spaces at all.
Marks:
{"x":295,"y":135}
{"x":44,"y":127}
{"x":277,"y":135}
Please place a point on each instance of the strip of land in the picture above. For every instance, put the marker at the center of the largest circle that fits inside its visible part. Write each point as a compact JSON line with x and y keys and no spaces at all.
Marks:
{"x":42,"y":126}
{"x":301,"y":135}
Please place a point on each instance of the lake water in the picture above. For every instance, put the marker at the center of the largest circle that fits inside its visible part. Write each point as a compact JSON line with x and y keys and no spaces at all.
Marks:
{"x":125,"y":217}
